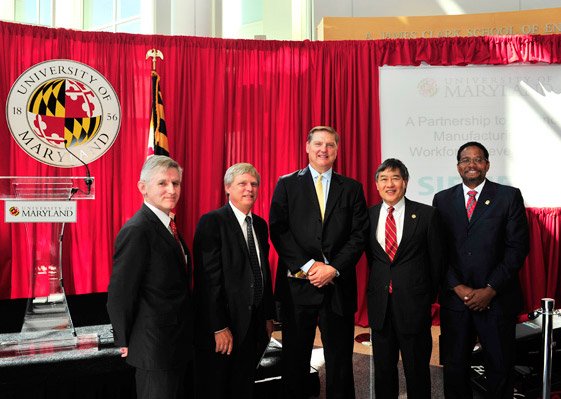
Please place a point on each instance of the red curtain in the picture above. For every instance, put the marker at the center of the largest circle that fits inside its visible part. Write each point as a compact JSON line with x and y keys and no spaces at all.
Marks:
{"x":541,"y":275}
{"x":226,"y":101}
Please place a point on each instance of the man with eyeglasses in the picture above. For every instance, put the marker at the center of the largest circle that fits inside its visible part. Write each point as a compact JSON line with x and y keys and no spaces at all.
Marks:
{"x":487,"y":237}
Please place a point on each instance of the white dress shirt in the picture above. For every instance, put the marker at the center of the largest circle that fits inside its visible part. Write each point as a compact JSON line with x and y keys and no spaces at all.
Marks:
{"x":161,"y":215}
{"x":325,"y":181}
{"x":240,"y":216}
{"x":478,"y":189}
{"x":165,"y":219}
{"x":399,"y":217}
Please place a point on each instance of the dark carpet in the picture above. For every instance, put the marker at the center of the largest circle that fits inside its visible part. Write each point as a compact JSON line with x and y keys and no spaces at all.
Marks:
{"x":364,"y":380}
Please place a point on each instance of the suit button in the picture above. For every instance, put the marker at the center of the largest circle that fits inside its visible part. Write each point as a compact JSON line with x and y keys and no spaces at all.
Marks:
{"x":469,"y":254}
{"x":251,"y":285}
{"x":249,"y":307}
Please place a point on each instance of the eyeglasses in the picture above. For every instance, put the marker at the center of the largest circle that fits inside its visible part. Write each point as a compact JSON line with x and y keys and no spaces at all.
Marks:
{"x":467,"y":161}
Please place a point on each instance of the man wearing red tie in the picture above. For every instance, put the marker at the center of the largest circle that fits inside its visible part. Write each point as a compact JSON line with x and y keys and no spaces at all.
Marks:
{"x":149,"y":301}
{"x":405,"y":258}
{"x":487,"y":239}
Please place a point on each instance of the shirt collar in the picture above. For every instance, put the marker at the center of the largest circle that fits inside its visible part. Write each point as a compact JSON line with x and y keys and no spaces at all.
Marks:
{"x":397,"y":207}
{"x":239,"y":214}
{"x":164,"y":218}
{"x":325,"y":175}
{"x":478,"y":188}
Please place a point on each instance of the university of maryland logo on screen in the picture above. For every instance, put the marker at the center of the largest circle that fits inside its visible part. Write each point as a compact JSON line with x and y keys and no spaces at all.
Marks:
{"x":63,"y":103}
{"x":427,"y":87}
{"x":14,"y":211}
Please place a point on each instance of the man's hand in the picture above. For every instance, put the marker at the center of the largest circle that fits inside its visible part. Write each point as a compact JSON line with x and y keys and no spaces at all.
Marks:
{"x":270,"y":326}
{"x":224,"y":341}
{"x":124,"y":352}
{"x":314,"y":267}
{"x":321,"y":274}
{"x":481,"y":299}
{"x":464,"y":292}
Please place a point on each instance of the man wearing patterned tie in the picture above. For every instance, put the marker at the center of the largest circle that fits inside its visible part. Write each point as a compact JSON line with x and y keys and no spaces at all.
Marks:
{"x":404,"y":253}
{"x":487,"y":240}
{"x":318,"y":223}
{"x":233,"y":291}
{"x":149,"y":300}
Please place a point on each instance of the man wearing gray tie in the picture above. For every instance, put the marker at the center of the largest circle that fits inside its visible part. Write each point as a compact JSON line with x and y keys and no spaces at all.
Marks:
{"x":233,"y":294}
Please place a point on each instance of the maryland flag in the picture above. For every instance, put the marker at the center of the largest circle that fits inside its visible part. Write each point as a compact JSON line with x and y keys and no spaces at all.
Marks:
{"x":158,"y":137}
{"x":64,"y":105}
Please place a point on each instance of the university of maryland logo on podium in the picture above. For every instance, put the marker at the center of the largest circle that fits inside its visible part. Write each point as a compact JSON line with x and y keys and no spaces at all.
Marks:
{"x":63,"y":103}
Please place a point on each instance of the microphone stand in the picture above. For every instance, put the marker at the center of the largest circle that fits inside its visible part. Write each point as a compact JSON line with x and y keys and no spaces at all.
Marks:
{"x":88,"y":180}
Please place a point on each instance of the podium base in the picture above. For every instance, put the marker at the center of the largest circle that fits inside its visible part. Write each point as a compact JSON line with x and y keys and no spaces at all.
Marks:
{"x":45,"y":346}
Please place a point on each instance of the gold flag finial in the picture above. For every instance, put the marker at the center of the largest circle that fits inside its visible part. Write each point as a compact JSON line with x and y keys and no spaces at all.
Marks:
{"x":154,"y":53}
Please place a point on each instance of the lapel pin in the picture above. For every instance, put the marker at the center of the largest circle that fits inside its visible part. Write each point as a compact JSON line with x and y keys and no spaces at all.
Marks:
{"x":413,"y":216}
{"x":487,"y":202}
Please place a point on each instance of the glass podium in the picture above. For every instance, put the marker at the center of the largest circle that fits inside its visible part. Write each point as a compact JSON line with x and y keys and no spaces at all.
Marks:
{"x":44,"y":205}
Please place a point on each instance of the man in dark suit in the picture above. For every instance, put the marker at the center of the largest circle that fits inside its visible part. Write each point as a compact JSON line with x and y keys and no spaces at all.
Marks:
{"x":405,"y":258}
{"x":318,"y":224}
{"x":487,"y":239}
{"x":149,"y":302}
{"x":233,"y":291}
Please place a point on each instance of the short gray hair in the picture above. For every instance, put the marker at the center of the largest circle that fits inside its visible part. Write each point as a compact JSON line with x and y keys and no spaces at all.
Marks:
{"x":240,"y":169}
{"x":156,"y":163}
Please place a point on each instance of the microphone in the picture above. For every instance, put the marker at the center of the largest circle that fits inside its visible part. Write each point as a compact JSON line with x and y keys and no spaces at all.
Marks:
{"x":88,"y":180}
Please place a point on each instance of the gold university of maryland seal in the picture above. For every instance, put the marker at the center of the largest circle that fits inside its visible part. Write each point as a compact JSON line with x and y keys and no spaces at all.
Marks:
{"x":63,"y":103}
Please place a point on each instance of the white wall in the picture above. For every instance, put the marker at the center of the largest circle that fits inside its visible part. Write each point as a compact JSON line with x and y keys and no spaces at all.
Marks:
{"x":184,"y":17}
{"x":277,"y":19}
{"x":276,"y":24}
{"x":196,"y":17}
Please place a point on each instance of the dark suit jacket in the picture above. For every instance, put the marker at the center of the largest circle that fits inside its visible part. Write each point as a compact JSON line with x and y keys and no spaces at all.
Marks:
{"x":149,"y":302}
{"x":489,"y":249}
{"x":298,"y":235}
{"x":224,"y":277}
{"x":415,"y":272}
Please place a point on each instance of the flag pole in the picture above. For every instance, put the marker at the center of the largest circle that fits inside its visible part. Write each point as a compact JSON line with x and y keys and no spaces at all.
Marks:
{"x":157,"y":136}
{"x":154,"y":53}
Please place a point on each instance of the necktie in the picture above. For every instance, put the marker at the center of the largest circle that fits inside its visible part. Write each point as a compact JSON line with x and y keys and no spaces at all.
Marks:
{"x":391,"y":238}
{"x":471,"y":203}
{"x":174,"y":231}
{"x":321,"y":198}
{"x":391,"y":235}
{"x":254,"y":260}
{"x":173,"y":227}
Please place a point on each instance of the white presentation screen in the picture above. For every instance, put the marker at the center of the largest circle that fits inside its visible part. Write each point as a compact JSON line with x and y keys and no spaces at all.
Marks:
{"x":427,"y":112}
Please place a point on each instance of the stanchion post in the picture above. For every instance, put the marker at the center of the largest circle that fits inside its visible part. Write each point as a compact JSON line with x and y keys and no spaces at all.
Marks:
{"x":548,"y":305}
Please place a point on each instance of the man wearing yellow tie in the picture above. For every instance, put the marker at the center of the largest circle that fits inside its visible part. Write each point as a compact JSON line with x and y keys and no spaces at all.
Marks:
{"x":318,"y":224}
